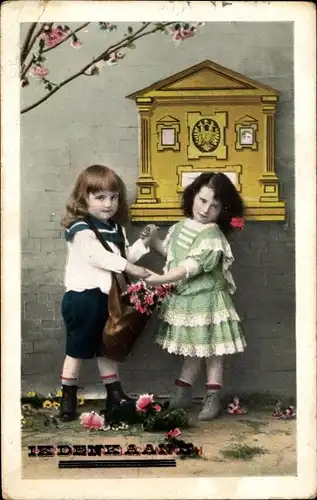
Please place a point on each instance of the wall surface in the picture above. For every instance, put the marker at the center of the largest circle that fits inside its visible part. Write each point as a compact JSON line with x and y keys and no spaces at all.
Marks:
{"x":90,"y":121}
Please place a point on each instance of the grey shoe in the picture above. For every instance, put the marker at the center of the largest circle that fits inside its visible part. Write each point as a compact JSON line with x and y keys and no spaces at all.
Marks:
{"x":182,"y":398}
{"x":211,"y":406}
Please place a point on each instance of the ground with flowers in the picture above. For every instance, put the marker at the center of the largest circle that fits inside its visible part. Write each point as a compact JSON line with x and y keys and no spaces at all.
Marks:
{"x":253,"y":444}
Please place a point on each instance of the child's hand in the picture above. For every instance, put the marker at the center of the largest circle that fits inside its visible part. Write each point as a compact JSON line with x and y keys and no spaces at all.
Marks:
{"x":155,"y":279}
{"x":148,"y":233}
{"x":137,"y":271}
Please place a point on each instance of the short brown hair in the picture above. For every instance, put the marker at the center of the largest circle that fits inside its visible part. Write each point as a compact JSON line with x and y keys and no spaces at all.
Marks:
{"x":94,"y":179}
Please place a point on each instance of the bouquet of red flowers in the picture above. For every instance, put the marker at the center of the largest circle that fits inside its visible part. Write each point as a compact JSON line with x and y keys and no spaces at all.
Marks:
{"x":144,"y":297}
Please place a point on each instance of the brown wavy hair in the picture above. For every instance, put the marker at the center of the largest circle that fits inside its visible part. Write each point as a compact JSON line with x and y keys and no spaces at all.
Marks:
{"x":94,"y":179}
{"x":225,"y":192}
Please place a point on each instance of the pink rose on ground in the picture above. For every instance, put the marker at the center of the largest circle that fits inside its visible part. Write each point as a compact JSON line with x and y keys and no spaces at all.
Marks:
{"x":174,"y":433}
{"x":92,"y":420}
{"x":38,"y":72}
{"x":143,"y":402}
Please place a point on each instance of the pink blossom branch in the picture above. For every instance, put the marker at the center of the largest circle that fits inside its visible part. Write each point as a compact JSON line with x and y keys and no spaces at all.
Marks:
{"x":67,"y":38}
{"x":123,"y":43}
{"x":25,"y":68}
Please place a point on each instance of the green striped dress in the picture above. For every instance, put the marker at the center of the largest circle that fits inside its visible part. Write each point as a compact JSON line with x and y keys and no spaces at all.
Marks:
{"x":199,"y":319}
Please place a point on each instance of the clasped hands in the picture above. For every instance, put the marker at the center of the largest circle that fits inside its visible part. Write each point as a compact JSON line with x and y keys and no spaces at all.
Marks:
{"x":148,"y":235}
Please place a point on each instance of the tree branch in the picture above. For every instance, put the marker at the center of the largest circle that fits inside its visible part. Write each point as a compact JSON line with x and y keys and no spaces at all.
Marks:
{"x":67,"y":38}
{"x":123,"y":43}
{"x":27,"y":67}
{"x":24,"y":50}
{"x":35,"y":37}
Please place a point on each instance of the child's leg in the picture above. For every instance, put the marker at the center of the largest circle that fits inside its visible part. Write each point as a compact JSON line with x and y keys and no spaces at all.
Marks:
{"x":69,"y":378}
{"x":214,"y":369}
{"x":211,"y":407}
{"x":108,"y":370}
{"x":183,"y":385}
{"x":189,"y":370}
{"x":70,"y":372}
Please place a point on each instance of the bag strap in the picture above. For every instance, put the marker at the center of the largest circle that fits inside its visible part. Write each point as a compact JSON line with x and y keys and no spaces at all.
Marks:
{"x":106,"y":246}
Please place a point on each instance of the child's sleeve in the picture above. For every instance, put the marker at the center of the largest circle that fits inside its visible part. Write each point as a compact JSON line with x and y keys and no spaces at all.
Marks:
{"x":166,"y":243}
{"x":204,"y":262}
{"x":206,"y":254}
{"x":95,"y":254}
{"x":136,"y":251}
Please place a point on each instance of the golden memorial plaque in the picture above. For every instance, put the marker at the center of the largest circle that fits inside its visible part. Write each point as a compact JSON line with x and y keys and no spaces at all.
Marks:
{"x":206,"y":118}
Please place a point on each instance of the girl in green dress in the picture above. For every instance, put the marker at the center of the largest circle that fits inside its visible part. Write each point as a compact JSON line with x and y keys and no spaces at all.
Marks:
{"x":199,"y":320}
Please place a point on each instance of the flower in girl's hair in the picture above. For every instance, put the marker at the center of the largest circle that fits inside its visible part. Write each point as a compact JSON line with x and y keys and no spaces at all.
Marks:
{"x":144,"y":298}
{"x":237,"y":222}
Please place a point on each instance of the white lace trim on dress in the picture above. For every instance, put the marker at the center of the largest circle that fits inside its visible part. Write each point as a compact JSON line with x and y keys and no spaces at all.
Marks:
{"x":193,"y":320}
{"x":202,"y":350}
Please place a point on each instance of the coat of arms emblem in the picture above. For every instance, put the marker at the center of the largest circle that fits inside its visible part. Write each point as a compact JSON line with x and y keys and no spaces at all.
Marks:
{"x":206,"y":135}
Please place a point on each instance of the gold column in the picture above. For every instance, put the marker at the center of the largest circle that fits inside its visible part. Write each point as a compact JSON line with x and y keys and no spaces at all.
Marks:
{"x":146,"y":185}
{"x":268,"y":179}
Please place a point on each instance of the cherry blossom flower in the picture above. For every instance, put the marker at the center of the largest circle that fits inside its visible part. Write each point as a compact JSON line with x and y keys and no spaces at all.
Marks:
{"x":76,"y":44}
{"x":182,"y":31}
{"x":100,"y":64}
{"x":38,"y":72}
{"x":54,"y":36}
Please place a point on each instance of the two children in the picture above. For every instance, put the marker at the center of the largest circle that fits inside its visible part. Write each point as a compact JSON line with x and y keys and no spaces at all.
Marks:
{"x":198,"y":321}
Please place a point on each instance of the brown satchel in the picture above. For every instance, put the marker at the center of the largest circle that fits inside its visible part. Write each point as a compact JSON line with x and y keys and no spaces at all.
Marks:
{"x":124,"y":324}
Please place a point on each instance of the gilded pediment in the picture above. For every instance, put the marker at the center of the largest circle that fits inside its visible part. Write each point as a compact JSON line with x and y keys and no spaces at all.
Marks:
{"x":206,"y":76}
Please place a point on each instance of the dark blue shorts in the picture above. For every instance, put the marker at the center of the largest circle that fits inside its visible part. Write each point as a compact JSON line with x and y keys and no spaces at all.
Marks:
{"x":84,"y":314}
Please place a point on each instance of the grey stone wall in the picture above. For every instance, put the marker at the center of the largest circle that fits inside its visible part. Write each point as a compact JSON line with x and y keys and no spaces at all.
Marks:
{"x":90,"y":121}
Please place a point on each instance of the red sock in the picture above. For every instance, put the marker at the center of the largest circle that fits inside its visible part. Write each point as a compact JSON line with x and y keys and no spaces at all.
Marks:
{"x":213,"y":387}
{"x":181,"y":383}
